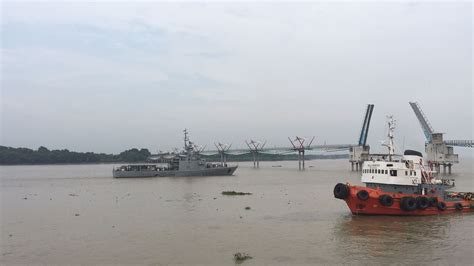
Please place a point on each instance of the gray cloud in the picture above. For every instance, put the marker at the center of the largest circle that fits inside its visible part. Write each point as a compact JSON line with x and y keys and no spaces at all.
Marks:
{"x":105,"y":77}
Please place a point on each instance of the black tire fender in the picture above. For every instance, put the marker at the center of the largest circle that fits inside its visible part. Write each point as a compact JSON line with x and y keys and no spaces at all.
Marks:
{"x":341,"y":191}
{"x":441,"y":206}
{"x":433,"y":201}
{"x":408,"y":204}
{"x":386,"y":200}
{"x":363,"y":195}
{"x":422,"y":203}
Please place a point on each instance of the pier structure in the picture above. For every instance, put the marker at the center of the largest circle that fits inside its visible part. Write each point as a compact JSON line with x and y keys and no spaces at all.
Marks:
{"x":299,"y":146}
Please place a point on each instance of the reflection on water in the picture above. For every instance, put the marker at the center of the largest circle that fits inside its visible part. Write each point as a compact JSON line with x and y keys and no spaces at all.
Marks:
{"x":390,"y":238}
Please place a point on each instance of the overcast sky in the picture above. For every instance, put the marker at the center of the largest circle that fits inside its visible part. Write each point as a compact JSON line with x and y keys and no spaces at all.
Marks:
{"x":106,"y":77}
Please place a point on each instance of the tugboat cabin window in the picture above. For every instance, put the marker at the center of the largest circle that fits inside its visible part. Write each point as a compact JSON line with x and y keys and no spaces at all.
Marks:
{"x":393,"y":172}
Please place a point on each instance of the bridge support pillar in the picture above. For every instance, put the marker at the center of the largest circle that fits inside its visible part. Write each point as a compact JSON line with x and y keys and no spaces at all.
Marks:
{"x":254,"y":160}
{"x":302,"y":155}
{"x":301,"y":159}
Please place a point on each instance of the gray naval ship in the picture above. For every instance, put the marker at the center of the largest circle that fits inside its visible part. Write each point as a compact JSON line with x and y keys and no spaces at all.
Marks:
{"x":185,"y":163}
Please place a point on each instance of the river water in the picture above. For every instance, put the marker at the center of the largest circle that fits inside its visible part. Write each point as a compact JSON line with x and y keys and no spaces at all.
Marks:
{"x":79,"y":214}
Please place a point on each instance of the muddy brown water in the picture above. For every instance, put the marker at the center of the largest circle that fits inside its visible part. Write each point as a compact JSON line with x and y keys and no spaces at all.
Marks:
{"x":79,"y":214}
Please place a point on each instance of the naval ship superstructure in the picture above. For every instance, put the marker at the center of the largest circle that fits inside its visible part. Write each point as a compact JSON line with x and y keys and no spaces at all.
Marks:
{"x":188,"y":162}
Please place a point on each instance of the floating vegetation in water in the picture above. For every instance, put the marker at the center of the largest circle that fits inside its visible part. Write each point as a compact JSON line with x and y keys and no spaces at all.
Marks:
{"x":240,"y":257}
{"x":235,"y":193}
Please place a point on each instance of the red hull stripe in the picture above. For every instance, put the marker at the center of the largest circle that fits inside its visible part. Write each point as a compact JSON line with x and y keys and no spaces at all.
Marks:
{"x":372,"y":205}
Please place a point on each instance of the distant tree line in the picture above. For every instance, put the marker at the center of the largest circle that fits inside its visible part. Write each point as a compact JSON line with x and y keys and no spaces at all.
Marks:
{"x":12,"y":156}
{"x":16,"y":156}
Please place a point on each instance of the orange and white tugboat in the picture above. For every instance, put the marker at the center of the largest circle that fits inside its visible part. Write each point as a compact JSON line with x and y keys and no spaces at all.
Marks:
{"x":402,"y":185}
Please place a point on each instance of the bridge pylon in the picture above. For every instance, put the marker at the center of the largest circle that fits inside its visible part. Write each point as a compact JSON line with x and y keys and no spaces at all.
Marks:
{"x":299,"y":145}
{"x":255,"y":147}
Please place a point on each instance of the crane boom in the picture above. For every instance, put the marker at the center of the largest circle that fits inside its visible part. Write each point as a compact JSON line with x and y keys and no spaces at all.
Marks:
{"x":365,"y":126}
{"x":425,"y":125}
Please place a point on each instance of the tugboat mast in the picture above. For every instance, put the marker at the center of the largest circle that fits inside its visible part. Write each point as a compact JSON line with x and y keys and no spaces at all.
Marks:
{"x":391,"y":144}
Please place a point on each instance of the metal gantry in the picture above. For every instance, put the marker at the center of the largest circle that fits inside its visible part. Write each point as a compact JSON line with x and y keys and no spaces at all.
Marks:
{"x":460,"y":143}
{"x":439,"y":152}
{"x":365,"y":126}
{"x":425,"y":124}
{"x":360,"y":153}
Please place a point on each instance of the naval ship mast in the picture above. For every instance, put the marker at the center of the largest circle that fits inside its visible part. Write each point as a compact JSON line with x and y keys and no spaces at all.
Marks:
{"x":186,"y":139}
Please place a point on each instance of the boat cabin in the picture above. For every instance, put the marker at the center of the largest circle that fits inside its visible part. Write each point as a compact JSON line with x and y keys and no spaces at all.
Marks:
{"x":406,"y":170}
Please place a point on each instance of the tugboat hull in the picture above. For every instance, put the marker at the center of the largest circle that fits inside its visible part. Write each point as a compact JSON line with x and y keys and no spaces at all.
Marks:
{"x":369,"y":201}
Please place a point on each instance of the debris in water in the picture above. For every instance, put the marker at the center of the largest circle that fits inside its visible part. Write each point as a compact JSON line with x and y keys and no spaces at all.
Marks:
{"x":77,"y":214}
{"x":25,"y":198}
{"x":247,"y":208}
{"x":234,"y":193}
{"x":240,"y":257}
{"x":73,"y":195}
